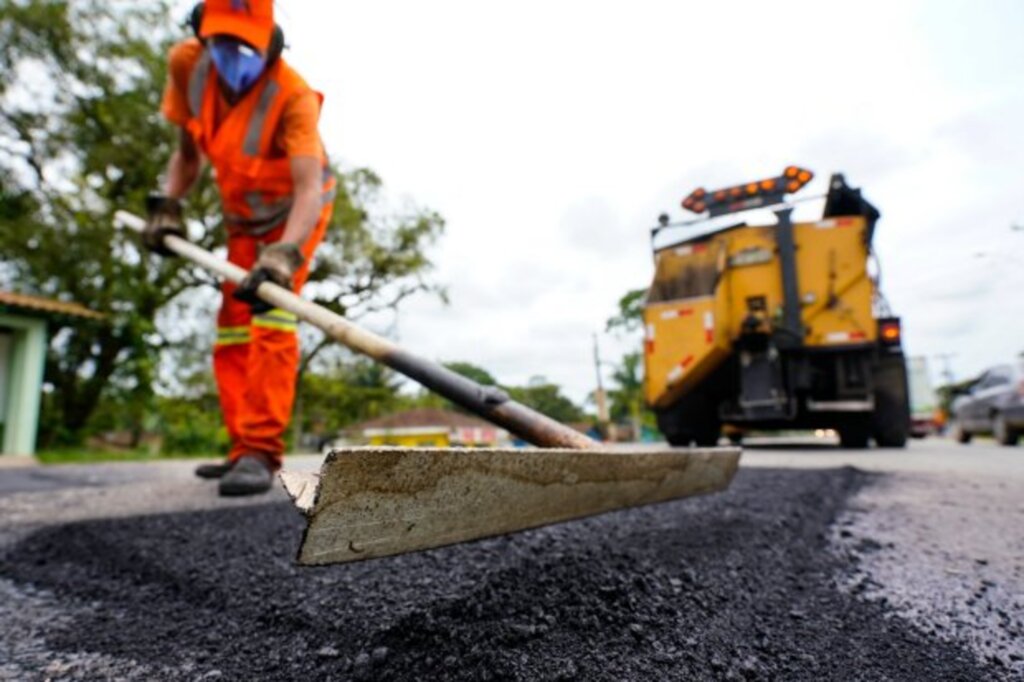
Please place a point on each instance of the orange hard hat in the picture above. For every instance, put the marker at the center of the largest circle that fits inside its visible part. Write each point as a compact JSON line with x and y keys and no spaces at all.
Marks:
{"x":250,"y":20}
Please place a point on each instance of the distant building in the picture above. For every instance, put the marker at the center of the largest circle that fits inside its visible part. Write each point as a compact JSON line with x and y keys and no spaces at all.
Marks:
{"x":22,"y":355}
{"x":430,"y":427}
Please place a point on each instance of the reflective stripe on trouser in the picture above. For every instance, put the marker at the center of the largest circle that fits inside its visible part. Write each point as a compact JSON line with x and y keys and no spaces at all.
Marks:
{"x":231,"y":336}
{"x":256,"y":357}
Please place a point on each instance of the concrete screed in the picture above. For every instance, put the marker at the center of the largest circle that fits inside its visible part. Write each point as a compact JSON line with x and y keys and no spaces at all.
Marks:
{"x":939,"y":538}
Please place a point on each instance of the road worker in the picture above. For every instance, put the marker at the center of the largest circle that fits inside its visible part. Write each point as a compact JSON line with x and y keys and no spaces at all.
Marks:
{"x":238,"y":104}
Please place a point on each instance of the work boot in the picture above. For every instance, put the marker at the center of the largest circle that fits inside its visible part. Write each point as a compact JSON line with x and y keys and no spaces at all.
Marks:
{"x":213,"y":470}
{"x":250,"y":475}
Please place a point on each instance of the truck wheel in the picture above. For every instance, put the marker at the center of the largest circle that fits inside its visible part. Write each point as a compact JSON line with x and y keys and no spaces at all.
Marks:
{"x":890,"y":422}
{"x":671,"y":426}
{"x":1002,"y":432}
{"x":890,"y":426}
{"x":854,"y":435}
{"x":707,"y":436}
{"x":678,"y":439}
{"x":692,"y":418}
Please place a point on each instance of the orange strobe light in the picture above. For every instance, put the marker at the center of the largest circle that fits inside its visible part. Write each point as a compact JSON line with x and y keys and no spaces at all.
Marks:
{"x":890,"y":331}
{"x":749,"y":195}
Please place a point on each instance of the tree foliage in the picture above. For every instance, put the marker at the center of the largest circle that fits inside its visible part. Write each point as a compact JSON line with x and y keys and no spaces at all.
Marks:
{"x":547,"y":398}
{"x":471,"y":371}
{"x":626,"y":394}
{"x":539,"y":394}
{"x":80,"y":137}
{"x":351,"y":392}
{"x":372,"y":257}
{"x":630,"y":316}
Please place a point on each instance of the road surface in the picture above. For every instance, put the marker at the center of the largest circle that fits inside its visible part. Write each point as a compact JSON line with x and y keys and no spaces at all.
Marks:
{"x":817,"y":563}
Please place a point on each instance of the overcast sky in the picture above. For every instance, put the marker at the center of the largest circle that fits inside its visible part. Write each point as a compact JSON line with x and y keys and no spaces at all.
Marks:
{"x":551,"y":134}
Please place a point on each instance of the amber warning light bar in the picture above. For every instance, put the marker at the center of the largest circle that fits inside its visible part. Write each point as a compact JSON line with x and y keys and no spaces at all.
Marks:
{"x":748,"y":196}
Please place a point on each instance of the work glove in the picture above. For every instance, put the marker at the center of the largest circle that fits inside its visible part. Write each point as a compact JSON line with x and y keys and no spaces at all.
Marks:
{"x":164,"y":218}
{"x":277,"y":263}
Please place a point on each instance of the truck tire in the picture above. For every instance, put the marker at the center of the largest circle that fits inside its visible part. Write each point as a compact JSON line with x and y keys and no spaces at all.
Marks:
{"x":890,"y":422}
{"x":671,"y":426}
{"x":1002,"y":432}
{"x":707,"y":436}
{"x":855,"y":434}
{"x":692,"y":419}
{"x":679,"y":439}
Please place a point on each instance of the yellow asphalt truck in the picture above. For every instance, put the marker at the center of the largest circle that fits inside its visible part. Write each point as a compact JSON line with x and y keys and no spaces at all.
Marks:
{"x":777,"y":326}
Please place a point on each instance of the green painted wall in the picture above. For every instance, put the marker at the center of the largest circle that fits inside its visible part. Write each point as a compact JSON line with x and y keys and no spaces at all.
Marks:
{"x":23,"y":383}
{"x":6,"y":343}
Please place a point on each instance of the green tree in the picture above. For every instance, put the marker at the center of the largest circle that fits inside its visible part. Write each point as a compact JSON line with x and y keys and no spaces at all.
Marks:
{"x":474,"y":372}
{"x":630,"y":317}
{"x":547,"y":398}
{"x":353,"y":391}
{"x":426,"y":398}
{"x":80,"y":137}
{"x":372,"y":259}
{"x":80,"y":86}
{"x":626,"y":394}
{"x":539,"y":394}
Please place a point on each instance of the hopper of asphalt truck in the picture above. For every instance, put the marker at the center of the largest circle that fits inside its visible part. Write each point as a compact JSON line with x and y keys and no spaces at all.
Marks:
{"x":741,"y":287}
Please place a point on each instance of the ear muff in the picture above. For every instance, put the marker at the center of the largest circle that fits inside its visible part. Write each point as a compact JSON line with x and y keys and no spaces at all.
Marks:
{"x":195,"y":21}
{"x":276,"y":45}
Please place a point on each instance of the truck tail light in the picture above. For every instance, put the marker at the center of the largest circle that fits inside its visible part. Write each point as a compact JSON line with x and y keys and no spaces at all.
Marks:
{"x":889,"y":332}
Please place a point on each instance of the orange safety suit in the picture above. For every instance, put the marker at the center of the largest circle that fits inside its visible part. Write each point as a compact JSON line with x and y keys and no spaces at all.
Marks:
{"x":255,"y":358}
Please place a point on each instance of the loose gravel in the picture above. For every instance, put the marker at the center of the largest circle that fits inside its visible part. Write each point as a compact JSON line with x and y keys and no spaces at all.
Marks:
{"x":740,"y":585}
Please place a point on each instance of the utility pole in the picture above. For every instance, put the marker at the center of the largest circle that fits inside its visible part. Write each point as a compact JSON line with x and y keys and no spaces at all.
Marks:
{"x":599,"y":396}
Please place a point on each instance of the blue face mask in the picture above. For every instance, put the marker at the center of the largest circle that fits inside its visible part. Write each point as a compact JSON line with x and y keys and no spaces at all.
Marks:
{"x":238,"y":65}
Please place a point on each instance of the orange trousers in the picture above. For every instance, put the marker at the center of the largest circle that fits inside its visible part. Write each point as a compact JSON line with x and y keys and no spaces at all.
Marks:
{"x":256,"y":357}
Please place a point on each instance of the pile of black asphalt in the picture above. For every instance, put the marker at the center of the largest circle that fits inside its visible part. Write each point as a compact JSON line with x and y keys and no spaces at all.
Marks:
{"x":740,"y":585}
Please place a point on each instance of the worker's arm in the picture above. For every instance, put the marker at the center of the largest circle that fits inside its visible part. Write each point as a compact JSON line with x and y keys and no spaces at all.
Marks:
{"x":184,"y":166}
{"x":278,"y":262}
{"x":164,"y":210}
{"x":307,"y":178}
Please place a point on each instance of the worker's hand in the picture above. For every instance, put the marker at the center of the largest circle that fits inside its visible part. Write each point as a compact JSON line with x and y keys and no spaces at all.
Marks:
{"x":277,"y":263}
{"x":164,"y":218}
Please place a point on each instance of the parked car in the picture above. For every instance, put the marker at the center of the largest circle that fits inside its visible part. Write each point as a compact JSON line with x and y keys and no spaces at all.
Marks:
{"x":993,"y":404}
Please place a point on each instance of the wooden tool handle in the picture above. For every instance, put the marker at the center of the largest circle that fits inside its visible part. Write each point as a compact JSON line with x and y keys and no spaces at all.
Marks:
{"x":488,"y":402}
